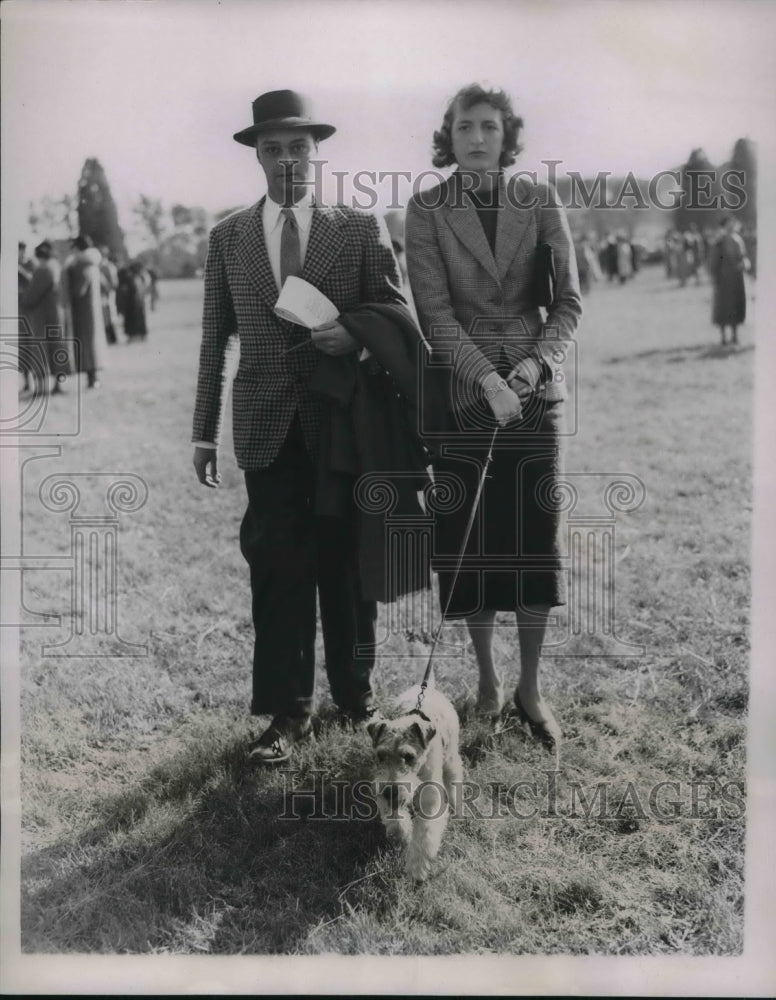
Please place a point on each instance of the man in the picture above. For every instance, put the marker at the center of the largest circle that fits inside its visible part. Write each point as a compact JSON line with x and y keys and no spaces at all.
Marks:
{"x":277,"y":419}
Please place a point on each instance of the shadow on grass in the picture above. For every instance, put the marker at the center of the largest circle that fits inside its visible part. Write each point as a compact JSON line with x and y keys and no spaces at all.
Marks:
{"x":207,"y":855}
{"x":696,"y":352}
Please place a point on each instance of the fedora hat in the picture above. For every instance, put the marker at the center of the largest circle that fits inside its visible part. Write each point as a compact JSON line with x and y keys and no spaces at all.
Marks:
{"x":282,"y":109}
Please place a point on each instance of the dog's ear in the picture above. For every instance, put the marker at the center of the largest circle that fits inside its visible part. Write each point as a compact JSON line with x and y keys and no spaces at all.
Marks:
{"x":375,"y":728}
{"x":425,"y":731}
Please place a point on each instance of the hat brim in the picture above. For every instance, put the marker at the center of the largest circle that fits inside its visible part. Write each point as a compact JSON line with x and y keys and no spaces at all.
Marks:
{"x":320,"y":130}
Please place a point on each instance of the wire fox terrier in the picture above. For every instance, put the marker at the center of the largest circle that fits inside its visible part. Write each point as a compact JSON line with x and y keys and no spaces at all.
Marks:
{"x":418,"y":766}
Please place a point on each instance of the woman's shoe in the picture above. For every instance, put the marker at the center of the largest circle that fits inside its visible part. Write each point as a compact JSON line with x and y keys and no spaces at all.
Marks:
{"x":492,"y":704}
{"x":547,"y":731}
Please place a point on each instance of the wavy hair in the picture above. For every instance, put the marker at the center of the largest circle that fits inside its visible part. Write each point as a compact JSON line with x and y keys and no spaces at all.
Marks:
{"x":466,"y":98}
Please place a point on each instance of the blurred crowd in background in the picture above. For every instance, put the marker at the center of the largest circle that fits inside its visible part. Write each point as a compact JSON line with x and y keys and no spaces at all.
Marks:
{"x":724,"y":254}
{"x":75,"y":299}
{"x":82,"y":293}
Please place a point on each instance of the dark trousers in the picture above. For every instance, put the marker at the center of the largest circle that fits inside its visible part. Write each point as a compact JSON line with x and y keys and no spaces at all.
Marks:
{"x":291,"y":552}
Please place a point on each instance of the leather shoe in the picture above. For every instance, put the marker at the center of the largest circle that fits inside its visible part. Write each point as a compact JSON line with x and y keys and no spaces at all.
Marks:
{"x":275,"y":744}
{"x":546,"y":731}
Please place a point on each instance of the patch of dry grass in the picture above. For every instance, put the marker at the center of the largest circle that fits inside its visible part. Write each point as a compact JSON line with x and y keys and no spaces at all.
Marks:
{"x":146,"y":832}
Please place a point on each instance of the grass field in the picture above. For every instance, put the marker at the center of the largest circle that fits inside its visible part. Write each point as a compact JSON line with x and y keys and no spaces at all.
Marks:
{"x":144,"y":830}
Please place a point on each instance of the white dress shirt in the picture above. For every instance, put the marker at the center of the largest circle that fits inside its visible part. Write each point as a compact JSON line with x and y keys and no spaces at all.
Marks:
{"x":273,"y":221}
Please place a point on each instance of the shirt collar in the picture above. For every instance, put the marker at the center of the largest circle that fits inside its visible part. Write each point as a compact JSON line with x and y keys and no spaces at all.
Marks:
{"x":303,"y":212}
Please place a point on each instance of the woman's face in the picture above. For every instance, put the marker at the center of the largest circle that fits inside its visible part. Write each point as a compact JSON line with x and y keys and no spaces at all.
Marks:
{"x":478,"y":137}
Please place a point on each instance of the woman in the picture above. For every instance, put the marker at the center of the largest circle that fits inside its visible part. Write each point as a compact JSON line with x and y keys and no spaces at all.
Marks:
{"x":727,"y":264}
{"x":81,"y":291}
{"x":41,"y":304}
{"x":472,"y":262}
{"x":130,"y":300}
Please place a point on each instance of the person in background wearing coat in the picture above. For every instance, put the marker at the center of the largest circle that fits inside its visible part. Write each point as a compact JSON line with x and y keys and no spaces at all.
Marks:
{"x":109,"y":281}
{"x":152,"y":286}
{"x":83,"y":302}
{"x":131,"y":300}
{"x":624,"y":258}
{"x":277,"y":420}
{"x":25,"y":269}
{"x":727,"y":263}
{"x":587,"y":263}
{"x":471,"y":256}
{"x":41,"y":304}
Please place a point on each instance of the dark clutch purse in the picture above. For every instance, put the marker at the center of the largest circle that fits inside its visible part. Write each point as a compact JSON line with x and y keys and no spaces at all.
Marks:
{"x":544,"y":275}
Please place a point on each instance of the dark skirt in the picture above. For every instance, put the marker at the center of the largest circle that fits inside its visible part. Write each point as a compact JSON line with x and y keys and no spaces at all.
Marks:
{"x":729,"y":298}
{"x":513,"y":558}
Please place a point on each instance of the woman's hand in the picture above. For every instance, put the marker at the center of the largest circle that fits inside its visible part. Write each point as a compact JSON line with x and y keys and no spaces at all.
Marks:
{"x":506,"y":406}
{"x":523,"y":390}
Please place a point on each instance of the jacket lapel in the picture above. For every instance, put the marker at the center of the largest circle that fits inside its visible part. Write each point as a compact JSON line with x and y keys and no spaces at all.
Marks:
{"x":325,"y":244}
{"x":252,"y":254}
{"x":462,"y":219}
{"x":512,"y":226}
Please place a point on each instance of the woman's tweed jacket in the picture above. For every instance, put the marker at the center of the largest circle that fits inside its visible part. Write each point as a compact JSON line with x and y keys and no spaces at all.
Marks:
{"x":474,"y":303}
{"x":349,"y":258}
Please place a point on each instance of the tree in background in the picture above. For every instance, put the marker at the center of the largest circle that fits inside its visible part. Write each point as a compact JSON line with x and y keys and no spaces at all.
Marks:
{"x":53,"y":218}
{"x":700,"y":184}
{"x":97,"y":215}
{"x":150,"y":216}
{"x":744,"y":159}
{"x":175,"y":241}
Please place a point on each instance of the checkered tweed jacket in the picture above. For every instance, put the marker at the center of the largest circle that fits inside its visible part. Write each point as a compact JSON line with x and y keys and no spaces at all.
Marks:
{"x":348,"y":257}
{"x":480,"y":304}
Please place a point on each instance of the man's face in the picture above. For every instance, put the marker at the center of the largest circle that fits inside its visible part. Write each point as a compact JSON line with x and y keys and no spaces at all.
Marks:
{"x":284,"y":155}
{"x":478,"y":137}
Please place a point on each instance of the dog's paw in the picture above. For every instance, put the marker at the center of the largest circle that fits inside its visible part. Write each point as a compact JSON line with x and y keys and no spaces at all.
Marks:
{"x":418,"y":868}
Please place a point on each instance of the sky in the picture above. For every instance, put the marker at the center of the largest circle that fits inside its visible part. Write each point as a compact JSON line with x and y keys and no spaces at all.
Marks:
{"x":155,"y":89}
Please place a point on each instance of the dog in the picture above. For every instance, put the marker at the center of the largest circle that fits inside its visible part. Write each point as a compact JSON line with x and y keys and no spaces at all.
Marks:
{"x":417,"y":768}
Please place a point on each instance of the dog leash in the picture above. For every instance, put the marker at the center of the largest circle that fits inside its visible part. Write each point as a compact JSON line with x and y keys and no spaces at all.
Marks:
{"x":467,"y":533}
{"x":438,"y":631}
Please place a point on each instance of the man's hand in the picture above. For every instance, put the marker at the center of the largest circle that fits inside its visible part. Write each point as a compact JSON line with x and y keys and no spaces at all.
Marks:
{"x":333,"y":340}
{"x":206,"y":465}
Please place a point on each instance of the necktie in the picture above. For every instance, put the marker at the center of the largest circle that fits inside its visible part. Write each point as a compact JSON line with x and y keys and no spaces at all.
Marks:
{"x":290,"y":250}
